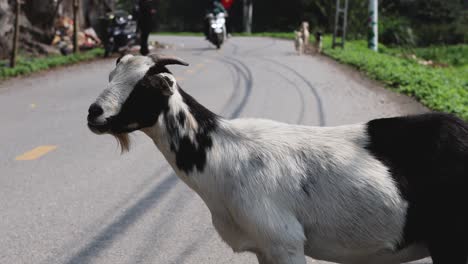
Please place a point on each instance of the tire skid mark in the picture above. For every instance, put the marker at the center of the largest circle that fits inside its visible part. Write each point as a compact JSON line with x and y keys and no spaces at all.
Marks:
{"x":94,"y":228}
{"x":318,"y":99}
{"x":241,"y":75}
{"x":236,"y":86}
{"x":111,"y":232}
{"x":300,"y":119}
{"x":245,"y":71}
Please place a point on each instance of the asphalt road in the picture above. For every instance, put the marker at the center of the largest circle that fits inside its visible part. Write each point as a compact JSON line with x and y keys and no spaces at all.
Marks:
{"x":68,"y":196}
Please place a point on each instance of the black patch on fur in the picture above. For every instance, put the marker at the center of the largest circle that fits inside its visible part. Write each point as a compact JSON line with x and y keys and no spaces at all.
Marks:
{"x":181,"y":118}
{"x":427,"y":156}
{"x":147,"y":102}
{"x":192,"y":155}
{"x":144,"y":104}
{"x":207,"y":120}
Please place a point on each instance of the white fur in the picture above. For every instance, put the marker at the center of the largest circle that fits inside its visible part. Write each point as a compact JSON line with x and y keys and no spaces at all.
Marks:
{"x":252,"y":186}
{"x":304,"y":29}
{"x":122,"y":80}
{"x":298,"y":42}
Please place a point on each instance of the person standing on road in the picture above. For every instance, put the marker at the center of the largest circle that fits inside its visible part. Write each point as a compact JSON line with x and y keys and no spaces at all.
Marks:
{"x":145,"y":12}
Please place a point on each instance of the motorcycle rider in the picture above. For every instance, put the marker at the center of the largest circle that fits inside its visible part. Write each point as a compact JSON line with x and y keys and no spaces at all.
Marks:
{"x":215,"y":8}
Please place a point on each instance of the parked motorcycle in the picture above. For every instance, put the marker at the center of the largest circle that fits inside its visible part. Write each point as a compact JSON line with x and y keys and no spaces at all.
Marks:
{"x":217,"y":29}
{"x":121,"y":32}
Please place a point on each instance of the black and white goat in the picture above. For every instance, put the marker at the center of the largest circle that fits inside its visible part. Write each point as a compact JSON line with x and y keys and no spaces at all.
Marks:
{"x":387,"y":191}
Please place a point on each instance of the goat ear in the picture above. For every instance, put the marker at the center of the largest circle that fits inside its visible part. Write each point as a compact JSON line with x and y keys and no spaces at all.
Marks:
{"x":124,"y":57}
{"x":163,"y":81}
{"x":159,"y":81}
{"x":167,"y":60}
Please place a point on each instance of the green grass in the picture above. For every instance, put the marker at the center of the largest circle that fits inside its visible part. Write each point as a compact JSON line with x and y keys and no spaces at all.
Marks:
{"x":27,"y":66}
{"x":441,"y":89}
{"x":456,"y":55}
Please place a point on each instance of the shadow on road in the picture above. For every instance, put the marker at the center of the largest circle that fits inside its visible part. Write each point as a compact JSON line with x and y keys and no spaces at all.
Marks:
{"x":113,"y":231}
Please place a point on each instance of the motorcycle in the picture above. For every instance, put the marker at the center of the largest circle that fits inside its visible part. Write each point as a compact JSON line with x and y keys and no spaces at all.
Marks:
{"x":217,"y":29}
{"x":121,"y":32}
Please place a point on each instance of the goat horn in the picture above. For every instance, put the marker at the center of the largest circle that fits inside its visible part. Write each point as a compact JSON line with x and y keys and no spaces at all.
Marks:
{"x":167,"y":60}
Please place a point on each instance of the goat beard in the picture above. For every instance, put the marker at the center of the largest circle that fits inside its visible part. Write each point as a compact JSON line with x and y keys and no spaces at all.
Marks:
{"x":123,"y":140}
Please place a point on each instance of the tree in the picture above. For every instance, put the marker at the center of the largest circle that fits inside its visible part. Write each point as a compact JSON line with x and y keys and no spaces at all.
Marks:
{"x":6,"y":28}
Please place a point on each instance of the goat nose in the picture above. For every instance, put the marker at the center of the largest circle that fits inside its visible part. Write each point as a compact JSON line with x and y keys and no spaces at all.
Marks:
{"x":94,"y":111}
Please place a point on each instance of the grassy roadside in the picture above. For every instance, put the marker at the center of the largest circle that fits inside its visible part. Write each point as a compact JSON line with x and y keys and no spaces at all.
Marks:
{"x":28,"y":66}
{"x":441,"y":89}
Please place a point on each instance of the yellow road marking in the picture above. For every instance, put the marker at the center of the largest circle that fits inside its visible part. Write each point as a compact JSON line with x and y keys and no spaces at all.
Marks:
{"x":180,"y":79}
{"x":190,"y":71}
{"x":200,"y":65}
{"x":32,"y":106}
{"x":36,"y":153}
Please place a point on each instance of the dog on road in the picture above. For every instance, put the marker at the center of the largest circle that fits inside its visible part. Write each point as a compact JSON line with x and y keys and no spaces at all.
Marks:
{"x":298,"y":42}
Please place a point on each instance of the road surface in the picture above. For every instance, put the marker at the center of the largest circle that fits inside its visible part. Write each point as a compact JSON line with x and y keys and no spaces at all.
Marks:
{"x":68,"y":196}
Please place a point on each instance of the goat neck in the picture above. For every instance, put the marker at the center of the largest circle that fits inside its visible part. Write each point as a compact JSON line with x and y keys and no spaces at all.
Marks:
{"x":183,"y":133}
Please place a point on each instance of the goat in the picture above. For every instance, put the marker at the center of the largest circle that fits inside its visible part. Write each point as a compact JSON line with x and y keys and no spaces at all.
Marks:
{"x":304,"y":29}
{"x":299,"y":43}
{"x":386,"y":191}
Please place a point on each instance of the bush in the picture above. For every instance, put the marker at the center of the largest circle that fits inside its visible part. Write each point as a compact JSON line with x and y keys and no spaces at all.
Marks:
{"x":396,"y":31}
{"x":455,"y":55}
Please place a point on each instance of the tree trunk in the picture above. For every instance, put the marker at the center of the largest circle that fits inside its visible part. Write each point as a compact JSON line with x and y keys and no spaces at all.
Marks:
{"x":15,"y":34}
{"x":6,"y":28}
{"x":248,"y":12}
{"x":76,"y":8}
